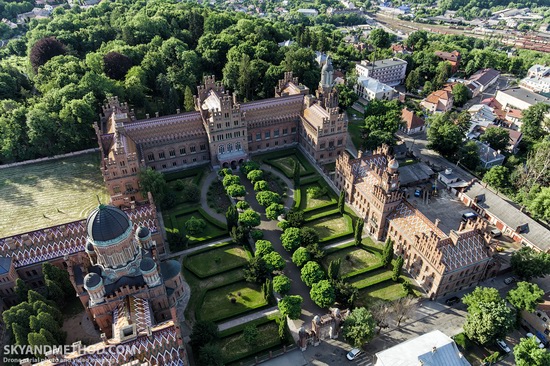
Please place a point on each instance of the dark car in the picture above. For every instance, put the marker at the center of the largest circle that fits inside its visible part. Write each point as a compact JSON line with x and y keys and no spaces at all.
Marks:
{"x":452,"y":300}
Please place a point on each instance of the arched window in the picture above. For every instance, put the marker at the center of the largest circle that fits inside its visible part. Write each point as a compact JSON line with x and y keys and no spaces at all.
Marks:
{"x":229,"y":147}
{"x":221,"y":149}
{"x":237,"y":146}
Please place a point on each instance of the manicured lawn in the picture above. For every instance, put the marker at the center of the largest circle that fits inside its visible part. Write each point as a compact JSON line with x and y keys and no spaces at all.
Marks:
{"x":330,"y":226}
{"x":387,"y":290}
{"x":309,"y":203}
{"x":358,"y":259}
{"x":287,"y":165}
{"x":276,"y":184}
{"x":371,"y":278}
{"x":235,"y":347}
{"x":211,"y":231}
{"x":217,"y":260}
{"x":217,"y":305}
{"x":356,"y":121}
{"x":52,"y":193}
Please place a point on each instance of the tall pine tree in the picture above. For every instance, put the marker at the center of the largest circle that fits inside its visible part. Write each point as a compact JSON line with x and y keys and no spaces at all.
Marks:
{"x":232,"y":217}
{"x":188,"y":102}
{"x":388,"y":253}
{"x":359,"y":231}
{"x":342,"y":202}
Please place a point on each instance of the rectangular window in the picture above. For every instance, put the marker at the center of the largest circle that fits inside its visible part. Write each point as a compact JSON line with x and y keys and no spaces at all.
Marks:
{"x":331,"y":144}
{"x":267,"y":145}
{"x":235,"y":123}
{"x":322,"y":146}
{"x":219,"y":125}
{"x":238,"y":134}
{"x":151,"y":157}
{"x":182,"y":151}
{"x":172,"y":153}
{"x":194,"y":160}
{"x":268,"y":134}
{"x":193,"y":149}
{"x":203,"y":147}
{"x":276,"y":133}
{"x":227,"y":115}
{"x":293,"y":130}
{"x":340,"y":142}
{"x":285,"y":131}
{"x":249,"y":138}
{"x":129,"y":186}
{"x":219,"y":137}
{"x":161,"y":155}
{"x":228,"y":135}
{"x":174,"y":163}
{"x":276,"y":143}
{"x":116,"y":189}
{"x":258,"y":136}
{"x":163,"y":166}
{"x":227,"y":124}
{"x":184,"y":161}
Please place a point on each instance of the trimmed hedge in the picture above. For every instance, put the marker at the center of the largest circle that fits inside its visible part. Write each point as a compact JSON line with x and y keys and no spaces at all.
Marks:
{"x":197,"y":173}
{"x":188,"y":259}
{"x":387,"y":276}
{"x":190,"y":210}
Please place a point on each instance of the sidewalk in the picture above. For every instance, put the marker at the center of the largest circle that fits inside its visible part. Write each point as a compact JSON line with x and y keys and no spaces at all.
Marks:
{"x":248,"y":318}
{"x":289,"y":203}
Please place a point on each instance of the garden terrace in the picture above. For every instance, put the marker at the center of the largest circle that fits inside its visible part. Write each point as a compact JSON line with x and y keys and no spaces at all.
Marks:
{"x":192,"y":176}
{"x":217,"y":260}
{"x":176,"y":218}
{"x":387,"y":290}
{"x":235,"y":348}
{"x":353,"y":260}
{"x":331,"y":225}
{"x":217,"y":304}
{"x":285,"y":161}
{"x":50,"y":193}
{"x":307,"y":203}
{"x":217,"y":198}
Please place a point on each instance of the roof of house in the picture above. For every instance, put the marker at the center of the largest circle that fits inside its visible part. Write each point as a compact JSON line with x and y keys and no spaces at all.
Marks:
{"x":411,"y":119}
{"x":492,"y":102}
{"x":374,"y":85}
{"x":448,"y":56}
{"x":430,"y":349}
{"x":514,"y":113}
{"x":414,"y":173}
{"x":484,"y":77}
{"x":515,"y":136}
{"x":500,"y":207}
{"x":487,"y":153}
{"x":5,"y":264}
{"x":438,"y":95}
{"x":394,"y":61}
{"x":525,"y":96}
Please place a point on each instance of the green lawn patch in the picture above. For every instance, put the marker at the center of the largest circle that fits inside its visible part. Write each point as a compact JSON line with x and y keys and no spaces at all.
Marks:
{"x":217,"y":198}
{"x":309,"y":203}
{"x":356,"y":121}
{"x":217,"y":306}
{"x":387,"y":290}
{"x":351,"y":259}
{"x":371,"y":278}
{"x":50,"y":193}
{"x":217,"y":260}
{"x":177,"y":218}
{"x":193,"y":175}
{"x":332,"y":227}
{"x":285,"y":160}
{"x":234,"y":347}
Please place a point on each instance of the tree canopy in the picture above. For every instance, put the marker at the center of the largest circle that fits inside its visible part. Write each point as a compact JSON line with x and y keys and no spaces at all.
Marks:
{"x":358,"y":327}
{"x":527,"y":263}
{"x":525,"y":296}
{"x":528,"y":353}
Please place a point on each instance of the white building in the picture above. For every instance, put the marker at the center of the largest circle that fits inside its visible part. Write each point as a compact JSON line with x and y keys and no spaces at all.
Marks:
{"x":370,"y":89}
{"x":430,"y":349}
{"x":308,"y":12}
{"x":537,"y":80}
{"x":390,"y":71}
{"x":519,"y":98}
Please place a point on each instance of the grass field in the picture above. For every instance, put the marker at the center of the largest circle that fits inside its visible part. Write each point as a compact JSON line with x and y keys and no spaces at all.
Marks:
{"x":217,"y":260}
{"x":329,"y":225}
{"x":235,"y":347}
{"x":211,"y":231}
{"x":217,"y":304}
{"x":356,"y":121}
{"x":287,"y":165}
{"x":387,"y":290}
{"x":371,"y":278}
{"x":40,"y":195}
{"x":309,"y":203}
{"x":358,"y":259}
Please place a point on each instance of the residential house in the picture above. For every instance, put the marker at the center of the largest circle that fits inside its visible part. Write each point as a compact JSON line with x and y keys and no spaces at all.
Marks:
{"x":537,"y":79}
{"x":539,"y":320}
{"x":389,"y":71}
{"x":439,"y":101}
{"x":308,"y":12}
{"x":400,"y":48}
{"x":452,"y":57}
{"x":489,"y":157}
{"x":515,"y":138}
{"x":485,"y":78}
{"x":400,"y":151}
{"x":371,"y":89}
{"x":481,"y":116}
{"x":514,"y":117}
{"x":430,"y":349}
{"x":411,"y":122}
{"x":519,"y":98}
{"x":448,"y":177}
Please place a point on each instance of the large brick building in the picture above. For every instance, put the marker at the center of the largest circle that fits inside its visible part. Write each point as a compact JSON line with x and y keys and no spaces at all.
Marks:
{"x":441,"y":263}
{"x":222,"y":131}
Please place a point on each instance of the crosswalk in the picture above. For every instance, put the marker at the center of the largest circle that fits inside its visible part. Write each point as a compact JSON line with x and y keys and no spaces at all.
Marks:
{"x":363,"y":360}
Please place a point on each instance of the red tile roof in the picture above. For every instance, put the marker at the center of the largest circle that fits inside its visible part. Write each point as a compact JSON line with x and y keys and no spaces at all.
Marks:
{"x":411,"y":119}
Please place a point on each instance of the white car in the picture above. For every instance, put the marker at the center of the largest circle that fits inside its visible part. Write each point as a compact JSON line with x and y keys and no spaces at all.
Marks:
{"x":539,"y":342}
{"x":503,"y":345}
{"x":353,"y":354}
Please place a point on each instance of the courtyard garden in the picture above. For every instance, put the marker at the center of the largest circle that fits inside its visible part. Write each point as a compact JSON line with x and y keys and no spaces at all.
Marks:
{"x":179,"y":218}
{"x":50,"y":193}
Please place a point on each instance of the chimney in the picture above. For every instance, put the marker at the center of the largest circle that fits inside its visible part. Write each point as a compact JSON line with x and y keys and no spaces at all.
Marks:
{"x":178,"y":111}
{"x":156,"y":114}
{"x":146,"y":115}
{"x":436,"y":223}
{"x":434,"y":349}
{"x":359,"y":153}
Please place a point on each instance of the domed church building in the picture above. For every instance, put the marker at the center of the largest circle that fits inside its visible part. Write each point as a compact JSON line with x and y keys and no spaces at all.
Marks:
{"x":123,"y":262}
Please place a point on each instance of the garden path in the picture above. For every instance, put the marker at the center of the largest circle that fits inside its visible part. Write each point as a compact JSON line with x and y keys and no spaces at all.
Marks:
{"x":248,"y":318}
{"x":206,"y":182}
{"x":272,"y":233}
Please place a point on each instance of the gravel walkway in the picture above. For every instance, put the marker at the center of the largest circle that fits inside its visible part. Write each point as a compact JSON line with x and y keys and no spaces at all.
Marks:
{"x":248,"y":318}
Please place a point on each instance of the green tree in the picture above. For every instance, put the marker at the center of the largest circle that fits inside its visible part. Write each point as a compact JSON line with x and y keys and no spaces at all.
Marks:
{"x":295,"y":218}
{"x":274,"y":210}
{"x":489,"y":318}
{"x":250,"y":335}
{"x":379,"y":38}
{"x":334,"y":269}
{"x":231,"y":217}
{"x":152,"y":181}
{"x":203,"y":333}
{"x":255,"y":175}
{"x":21,"y":289}
{"x":497,"y":177}
{"x":236,"y":190}
{"x":296,"y":174}
{"x":210,"y":355}
{"x":358,"y":233}
{"x":526,"y":296}
{"x":345,"y":293}
{"x":468,"y":155}
{"x":322,"y":293}
{"x":261,"y":185}
{"x":312,"y":273}
{"x":44,"y":50}
{"x":266,"y":198}
{"x":346,"y":95}
{"x":256,"y":270}
{"x":188,"y":101}
{"x":194,"y":226}
{"x":300,"y":256}
{"x":533,"y":121}
{"x":397,"y":268}
{"x":527,"y":263}
{"x":249,"y":218}
{"x":460,"y":94}
{"x":281,"y":284}
{"x":528,"y":353}
{"x":243,"y":205}
{"x":290,"y":239}
{"x":444,"y":136}
{"x":497,"y":138}
{"x":387,"y":256}
{"x":291,"y":306}
{"x":230,"y":179}
{"x":539,"y":207}
{"x":308,"y":236}
{"x":358,"y":327}
{"x":342,"y":202}
{"x":413,"y":81}
{"x":177,"y":240}
{"x":263,"y":247}
{"x":274,"y":261}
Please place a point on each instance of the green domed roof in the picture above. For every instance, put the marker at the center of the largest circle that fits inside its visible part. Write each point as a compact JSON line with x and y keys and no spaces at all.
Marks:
{"x":107,"y":223}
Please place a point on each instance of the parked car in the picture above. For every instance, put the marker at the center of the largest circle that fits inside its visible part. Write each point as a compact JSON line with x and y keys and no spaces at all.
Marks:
{"x":509,"y":280}
{"x":503,"y":345}
{"x":495,"y":233}
{"x":539,"y":342}
{"x":469,"y":216}
{"x":452,"y":300}
{"x":352,"y":355}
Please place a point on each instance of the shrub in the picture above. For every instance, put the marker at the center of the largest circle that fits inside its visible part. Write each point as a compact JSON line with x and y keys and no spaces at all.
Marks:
{"x":316,"y":192}
{"x":283,"y":225}
{"x":263,"y":247}
{"x":249,"y":166}
{"x":295,"y":218}
{"x":179,"y":185}
{"x":274,"y":210}
{"x":169,"y":200}
{"x":225,"y":171}
{"x":322,"y":293}
{"x":274,"y":261}
{"x":194,"y":226}
{"x":243,"y":205}
{"x":312,"y":273}
{"x":261,"y":185}
{"x":255,"y":175}
{"x":230,"y":179}
{"x":291,"y":239}
{"x":236,"y":190}
{"x":191,"y":192}
{"x":291,"y":306}
{"x":257,"y":234}
{"x":308,"y":236}
{"x":281,"y":284}
{"x":300,"y":257}
{"x":266,"y":198}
